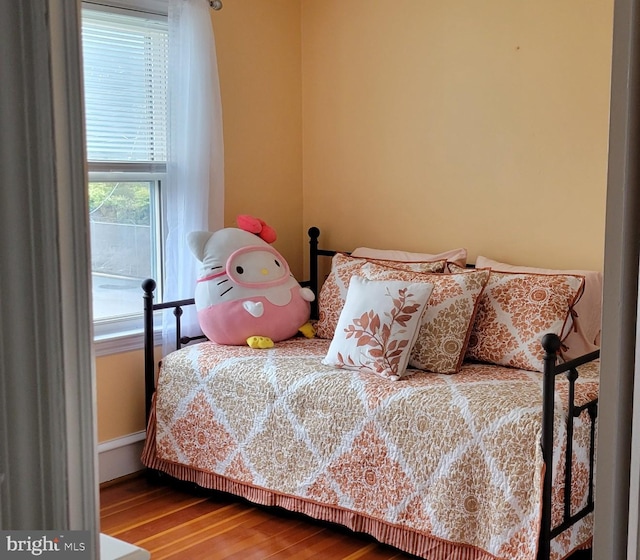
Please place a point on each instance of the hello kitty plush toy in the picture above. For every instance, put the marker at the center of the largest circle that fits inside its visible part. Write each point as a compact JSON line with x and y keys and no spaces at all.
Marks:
{"x":245,"y":293}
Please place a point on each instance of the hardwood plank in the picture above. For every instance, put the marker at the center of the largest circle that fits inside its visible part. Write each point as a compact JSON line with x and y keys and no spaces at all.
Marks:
{"x":234,"y":545}
{"x":131,"y":502}
{"x":188,"y":536}
{"x":174,"y":526}
{"x":115,"y":492}
{"x":130,"y":517}
{"x":319,"y":545}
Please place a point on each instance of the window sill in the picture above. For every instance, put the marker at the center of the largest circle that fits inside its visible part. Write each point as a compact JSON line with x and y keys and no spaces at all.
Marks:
{"x":125,"y":341}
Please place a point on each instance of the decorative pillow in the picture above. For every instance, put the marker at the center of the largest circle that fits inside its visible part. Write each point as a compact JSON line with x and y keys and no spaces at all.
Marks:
{"x":516,"y":310}
{"x":585,"y":336}
{"x":456,"y":256}
{"x":442,"y":339}
{"x":378,"y":326}
{"x":334,"y":290}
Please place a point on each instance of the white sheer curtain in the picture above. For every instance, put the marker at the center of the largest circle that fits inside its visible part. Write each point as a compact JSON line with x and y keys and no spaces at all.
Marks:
{"x":195,"y":170}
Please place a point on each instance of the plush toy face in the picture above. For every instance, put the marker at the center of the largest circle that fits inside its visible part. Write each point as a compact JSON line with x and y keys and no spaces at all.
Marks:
{"x":245,"y":288}
{"x":257,"y":267}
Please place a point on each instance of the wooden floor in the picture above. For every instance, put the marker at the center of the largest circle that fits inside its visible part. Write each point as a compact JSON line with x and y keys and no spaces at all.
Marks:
{"x":179,"y":523}
{"x":185,"y":523}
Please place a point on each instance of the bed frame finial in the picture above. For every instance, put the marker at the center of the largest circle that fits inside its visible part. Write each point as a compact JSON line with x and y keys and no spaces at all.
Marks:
{"x":551,"y":343}
{"x":149,"y":285}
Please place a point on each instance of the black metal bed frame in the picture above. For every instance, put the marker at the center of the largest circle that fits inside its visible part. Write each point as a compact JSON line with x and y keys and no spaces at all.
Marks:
{"x":551,"y":344}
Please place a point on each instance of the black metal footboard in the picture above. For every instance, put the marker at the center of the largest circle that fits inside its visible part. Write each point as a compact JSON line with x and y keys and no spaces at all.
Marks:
{"x":550,"y":342}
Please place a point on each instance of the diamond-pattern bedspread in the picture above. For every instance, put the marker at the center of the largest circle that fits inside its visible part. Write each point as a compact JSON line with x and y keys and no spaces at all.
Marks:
{"x":454,"y":459}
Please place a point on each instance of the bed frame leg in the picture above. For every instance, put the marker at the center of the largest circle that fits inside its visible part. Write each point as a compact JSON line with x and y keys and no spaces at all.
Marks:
{"x":148,"y":285}
{"x":314,"y":233}
{"x":551,"y":344}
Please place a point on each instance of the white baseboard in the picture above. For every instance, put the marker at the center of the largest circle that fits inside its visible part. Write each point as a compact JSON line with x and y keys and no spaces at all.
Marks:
{"x":120,"y":457}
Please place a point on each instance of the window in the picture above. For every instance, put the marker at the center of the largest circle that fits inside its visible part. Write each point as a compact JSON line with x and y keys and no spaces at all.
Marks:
{"x":125,"y":73}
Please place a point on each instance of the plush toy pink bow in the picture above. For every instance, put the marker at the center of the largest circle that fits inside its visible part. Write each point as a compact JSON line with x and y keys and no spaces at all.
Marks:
{"x":257,"y":226}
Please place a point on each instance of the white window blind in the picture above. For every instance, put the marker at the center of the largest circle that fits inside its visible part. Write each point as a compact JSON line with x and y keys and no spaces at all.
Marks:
{"x":125,"y":76}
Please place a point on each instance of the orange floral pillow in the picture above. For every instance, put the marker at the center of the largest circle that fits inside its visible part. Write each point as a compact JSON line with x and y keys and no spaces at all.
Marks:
{"x":334,"y":290}
{"x":442,"y":339}
{"x":585,"y":334}
{"x":378,"y":326}
{"x":516,"y":311}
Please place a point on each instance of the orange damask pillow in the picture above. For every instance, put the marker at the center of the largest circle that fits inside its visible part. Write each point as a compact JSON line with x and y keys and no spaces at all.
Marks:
{"x":515,"y":311}
{"x":378,"y":326}
{"x":334,"y":290}
{"x":442,"y":339}
{"x":585,"y":334}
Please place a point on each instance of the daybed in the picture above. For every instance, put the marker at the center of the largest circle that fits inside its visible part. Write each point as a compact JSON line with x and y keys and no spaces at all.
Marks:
{"x":478,"y":461}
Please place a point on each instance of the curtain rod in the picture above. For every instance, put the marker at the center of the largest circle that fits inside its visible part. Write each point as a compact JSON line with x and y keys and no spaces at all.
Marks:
{"x":216,"y":4}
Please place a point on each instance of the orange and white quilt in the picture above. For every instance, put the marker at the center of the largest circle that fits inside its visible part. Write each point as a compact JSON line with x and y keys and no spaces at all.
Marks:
{"x":441,"y":466}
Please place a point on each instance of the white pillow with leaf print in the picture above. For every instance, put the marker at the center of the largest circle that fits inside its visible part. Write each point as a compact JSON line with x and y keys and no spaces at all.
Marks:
{"x":378,"y":326}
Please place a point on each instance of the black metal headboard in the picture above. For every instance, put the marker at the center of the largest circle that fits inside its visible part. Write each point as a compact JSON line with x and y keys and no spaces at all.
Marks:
{"x":314,"y":253}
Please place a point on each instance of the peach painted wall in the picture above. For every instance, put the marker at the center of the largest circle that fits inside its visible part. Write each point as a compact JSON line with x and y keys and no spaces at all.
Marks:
{"x":429,"y":125}
{"x":120,"y":391}
{"x":259,"y":63}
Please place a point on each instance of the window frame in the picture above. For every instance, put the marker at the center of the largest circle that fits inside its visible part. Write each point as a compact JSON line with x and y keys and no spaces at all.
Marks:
{"x":151,"y":7}
{"x":110,"y":334}
{"x":117,"y":335}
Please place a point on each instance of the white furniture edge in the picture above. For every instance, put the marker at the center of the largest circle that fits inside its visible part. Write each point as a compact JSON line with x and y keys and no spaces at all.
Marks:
{"x":115,"y":549}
